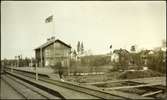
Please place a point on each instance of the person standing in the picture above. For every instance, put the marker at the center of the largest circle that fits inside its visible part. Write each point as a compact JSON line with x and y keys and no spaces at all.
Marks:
{"x":60,"y":70}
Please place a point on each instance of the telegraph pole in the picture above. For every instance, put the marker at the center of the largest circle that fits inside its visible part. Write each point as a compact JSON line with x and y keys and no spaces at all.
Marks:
{"x":41,"y":58}
{"x":36,"y":73}
{"x":111,"y":52}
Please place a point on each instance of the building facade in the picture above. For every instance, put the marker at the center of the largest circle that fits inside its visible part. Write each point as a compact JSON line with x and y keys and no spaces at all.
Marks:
{"x":53,"y":51}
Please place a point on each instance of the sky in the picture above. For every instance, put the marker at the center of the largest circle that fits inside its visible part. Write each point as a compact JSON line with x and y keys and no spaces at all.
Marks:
{"x":97,"y":24}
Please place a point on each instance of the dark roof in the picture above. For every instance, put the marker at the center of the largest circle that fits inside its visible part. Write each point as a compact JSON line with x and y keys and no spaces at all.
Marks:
{"x":118,"y":51}
{"x":52,"y":41}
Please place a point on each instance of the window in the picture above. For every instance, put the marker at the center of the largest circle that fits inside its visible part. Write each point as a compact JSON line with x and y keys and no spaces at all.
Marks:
{"x":47,"y":53}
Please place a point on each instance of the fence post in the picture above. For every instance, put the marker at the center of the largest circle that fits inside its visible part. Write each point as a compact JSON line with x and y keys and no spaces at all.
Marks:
{"x":11,"y":69}
{"x":36,"y":73}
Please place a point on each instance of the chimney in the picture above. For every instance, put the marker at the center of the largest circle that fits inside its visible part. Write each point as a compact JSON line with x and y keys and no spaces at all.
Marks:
{"x":52,"y":38}
{"x":48,"y":39}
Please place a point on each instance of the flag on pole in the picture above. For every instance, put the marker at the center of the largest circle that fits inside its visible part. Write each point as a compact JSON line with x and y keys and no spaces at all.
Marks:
{"x":49,"y":19}
{"x":110,"y":46}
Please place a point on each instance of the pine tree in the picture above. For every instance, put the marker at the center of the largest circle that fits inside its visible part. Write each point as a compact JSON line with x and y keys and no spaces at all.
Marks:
{"x":133,"y":48}
{"x":74,"y":53}
{"x":82,"y":48}
{"x":78,"y":47}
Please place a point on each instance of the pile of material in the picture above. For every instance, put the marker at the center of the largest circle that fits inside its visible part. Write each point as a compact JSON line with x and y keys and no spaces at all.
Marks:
{"x":138,"y":74}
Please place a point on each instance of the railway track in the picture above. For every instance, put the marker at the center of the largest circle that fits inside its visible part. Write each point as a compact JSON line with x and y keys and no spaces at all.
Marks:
{"x":95,"y":92}
{"x":8,"y":92}
{"x":27,"y":91}
{"x":17,"y":94}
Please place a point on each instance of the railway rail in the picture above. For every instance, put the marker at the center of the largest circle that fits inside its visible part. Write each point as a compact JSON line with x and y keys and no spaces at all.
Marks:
{"x":26,"y":90}
{"x":8,"y":92}
{"x":87,"y":91}
{"x":18,"y":94}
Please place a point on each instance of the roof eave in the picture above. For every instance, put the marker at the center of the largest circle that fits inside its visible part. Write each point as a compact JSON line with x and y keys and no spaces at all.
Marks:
{"x":52,"y":42}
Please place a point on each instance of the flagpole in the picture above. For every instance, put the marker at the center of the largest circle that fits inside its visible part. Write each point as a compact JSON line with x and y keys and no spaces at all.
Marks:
{"x":54,"y":35}
{"x":51,"y":20}
{"x":53,"y":25}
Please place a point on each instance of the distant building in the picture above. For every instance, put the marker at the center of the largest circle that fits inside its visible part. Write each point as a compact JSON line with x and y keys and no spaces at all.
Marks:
{"x":144,"y":55}
{"x":53,"y":51}
{"x":119,"y":54}
{"x":115,"y":57}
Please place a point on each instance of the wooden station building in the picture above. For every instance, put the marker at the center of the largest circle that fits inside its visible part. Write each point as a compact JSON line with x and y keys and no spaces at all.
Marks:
{"x":53,"y":51}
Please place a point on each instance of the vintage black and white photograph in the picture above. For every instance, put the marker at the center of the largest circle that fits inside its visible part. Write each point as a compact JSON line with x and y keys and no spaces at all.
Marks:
{"x":83,"y":50}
